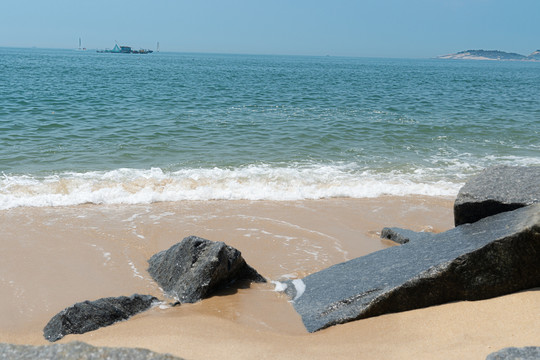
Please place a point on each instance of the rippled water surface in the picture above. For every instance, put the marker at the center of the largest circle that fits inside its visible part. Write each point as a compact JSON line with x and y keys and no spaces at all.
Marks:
{"x":88,"y":127}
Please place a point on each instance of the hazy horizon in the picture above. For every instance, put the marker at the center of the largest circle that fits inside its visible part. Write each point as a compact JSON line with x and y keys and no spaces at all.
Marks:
{"x":388,"y":28}
{"x":255,"y":54}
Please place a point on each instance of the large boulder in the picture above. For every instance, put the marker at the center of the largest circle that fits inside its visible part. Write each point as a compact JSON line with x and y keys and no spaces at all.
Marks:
{"x":492,"y":257}
{"x":514,"y":353}
{"x":495,"y":190}
{"x":91,"y":315}
{"x":77,"y":351}
{"x":195,"y":267}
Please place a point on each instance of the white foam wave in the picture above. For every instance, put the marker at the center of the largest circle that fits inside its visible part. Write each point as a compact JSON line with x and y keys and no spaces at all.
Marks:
{"x":279,"y":286}
{"x":514,"y":160}
{"x":256,"y":182}
{"x":300,"y":288}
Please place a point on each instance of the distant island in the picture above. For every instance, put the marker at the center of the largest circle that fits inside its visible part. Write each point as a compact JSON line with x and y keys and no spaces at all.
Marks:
{"x":491,"y":55}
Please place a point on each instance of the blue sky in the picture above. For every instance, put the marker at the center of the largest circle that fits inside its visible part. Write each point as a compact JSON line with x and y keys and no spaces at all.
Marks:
{"x":372,"y":28}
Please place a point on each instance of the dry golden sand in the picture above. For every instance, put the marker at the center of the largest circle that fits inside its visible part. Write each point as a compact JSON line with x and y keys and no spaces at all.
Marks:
{"x":54,"y":257}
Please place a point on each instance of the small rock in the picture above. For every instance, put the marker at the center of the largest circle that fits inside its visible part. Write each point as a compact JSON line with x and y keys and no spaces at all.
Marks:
{"x":403,"y":236}
{"x":193,"y":268}
{"x":77,"y":351}
{"x":91,"y":315}
{"x":514,"y":353}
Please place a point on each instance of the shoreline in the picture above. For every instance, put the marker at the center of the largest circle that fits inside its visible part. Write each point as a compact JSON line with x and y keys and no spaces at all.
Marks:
{"x":59,"y":256}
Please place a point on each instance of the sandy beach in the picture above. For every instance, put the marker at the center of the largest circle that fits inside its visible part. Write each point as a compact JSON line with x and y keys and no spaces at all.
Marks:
{"x":55,"y":257}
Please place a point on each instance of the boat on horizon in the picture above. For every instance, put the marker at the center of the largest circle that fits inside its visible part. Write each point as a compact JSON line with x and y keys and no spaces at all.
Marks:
{"x":122,"y":49}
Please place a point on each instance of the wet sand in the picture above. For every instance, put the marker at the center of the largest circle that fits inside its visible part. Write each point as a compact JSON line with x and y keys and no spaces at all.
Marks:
{"x":54,"y":257}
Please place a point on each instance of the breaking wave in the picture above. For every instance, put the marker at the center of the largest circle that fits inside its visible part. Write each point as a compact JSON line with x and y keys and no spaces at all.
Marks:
{"x":254,"y":182}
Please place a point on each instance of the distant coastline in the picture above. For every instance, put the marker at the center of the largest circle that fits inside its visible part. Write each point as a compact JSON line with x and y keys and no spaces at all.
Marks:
{"x":491,"y":55}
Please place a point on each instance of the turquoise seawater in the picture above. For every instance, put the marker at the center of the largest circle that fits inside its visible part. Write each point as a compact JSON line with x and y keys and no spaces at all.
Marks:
{"x":84,"y":127}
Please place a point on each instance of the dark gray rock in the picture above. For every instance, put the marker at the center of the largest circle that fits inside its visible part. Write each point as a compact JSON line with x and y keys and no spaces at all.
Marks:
{"x":193,"y":268}
{"x":91,"y":315}
{"x":77,"y":351}
{"x":513,"y":353}
{"x":495,"y":190}
{"x":403,"y":236}
{"x":492,"y":257}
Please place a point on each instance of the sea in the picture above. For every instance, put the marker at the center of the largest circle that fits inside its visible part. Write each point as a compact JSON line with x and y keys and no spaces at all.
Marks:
{"x":81,"y":127}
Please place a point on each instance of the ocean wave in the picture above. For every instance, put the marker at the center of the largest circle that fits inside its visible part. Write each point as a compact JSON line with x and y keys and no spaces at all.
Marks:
{"x":255,"y":182}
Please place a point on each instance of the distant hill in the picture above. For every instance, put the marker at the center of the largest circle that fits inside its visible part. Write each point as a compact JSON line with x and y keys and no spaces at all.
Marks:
{"x":491,"y":55}
{"x":535,"y":55}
